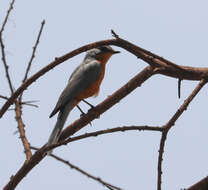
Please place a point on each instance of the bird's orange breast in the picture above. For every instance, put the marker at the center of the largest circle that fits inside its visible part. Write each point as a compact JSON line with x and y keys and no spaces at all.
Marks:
{"x":94,"y":88}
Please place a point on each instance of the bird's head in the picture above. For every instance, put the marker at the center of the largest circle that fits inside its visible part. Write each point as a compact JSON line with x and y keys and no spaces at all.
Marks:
{"x":102,"y":53}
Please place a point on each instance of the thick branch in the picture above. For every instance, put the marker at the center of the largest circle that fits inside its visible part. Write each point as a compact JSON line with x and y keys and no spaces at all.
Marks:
{"x":163,"y":66}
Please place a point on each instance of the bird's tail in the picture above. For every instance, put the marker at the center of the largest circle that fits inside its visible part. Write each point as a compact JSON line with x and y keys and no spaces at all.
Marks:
{"x":61,"y":119}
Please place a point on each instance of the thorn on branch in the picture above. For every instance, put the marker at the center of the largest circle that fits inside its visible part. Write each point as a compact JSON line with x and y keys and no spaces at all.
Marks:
{"x":33,"y":52}
{"x":114,"y":34}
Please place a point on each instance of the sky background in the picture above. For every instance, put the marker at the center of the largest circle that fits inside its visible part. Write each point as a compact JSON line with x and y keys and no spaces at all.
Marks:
{"x":176,"y":30}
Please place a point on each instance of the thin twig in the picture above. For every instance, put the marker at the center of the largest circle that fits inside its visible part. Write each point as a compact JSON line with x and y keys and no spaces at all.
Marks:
{"x":19,"y":103}
{"x":72,"y":166}
{"x":7,"y":16}
{"x":107,"y":131}
{"x":160,"y":159}
{"x":4,"y":97}
{"x":26,"y":144}
{"x":170,"y":124}
{"x":28,"y":104}
{"x":33,"y":52}
{"x":6,"y":67}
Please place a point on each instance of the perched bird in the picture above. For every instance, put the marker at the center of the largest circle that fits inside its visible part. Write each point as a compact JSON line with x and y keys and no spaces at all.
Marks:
{"x":84,"y":82}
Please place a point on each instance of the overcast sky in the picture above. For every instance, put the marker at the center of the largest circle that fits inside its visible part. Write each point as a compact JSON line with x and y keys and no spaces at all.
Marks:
{"x":176,"y":30}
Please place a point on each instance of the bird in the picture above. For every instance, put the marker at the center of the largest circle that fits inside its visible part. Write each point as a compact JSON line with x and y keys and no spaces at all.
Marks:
{"x":83,"y":83}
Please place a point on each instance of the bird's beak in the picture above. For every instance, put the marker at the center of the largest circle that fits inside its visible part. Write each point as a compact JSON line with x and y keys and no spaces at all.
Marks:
{"x":114,"y":52}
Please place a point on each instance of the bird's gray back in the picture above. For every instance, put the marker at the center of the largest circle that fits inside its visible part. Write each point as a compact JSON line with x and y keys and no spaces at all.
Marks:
{"x":82,"y":77}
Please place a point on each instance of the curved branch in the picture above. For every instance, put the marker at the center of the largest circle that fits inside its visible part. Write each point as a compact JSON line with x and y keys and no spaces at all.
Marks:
{"x":163,"y":66}
{"x":107,"y":131}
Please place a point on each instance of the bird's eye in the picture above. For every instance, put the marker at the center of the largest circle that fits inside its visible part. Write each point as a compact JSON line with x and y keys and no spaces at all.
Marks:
{"x":103,"y":48}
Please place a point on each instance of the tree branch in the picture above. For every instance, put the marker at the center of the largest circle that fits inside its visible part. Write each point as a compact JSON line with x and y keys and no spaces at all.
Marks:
{"x":72,"y":166}
{"x":6,"y":67}
{"x":34,"y":50}
{"x":170,"y":124}
{"x":107,"y":131}
{"x":26,"y":144}
{"x":4,"y":97}
{"x":162,"y":66}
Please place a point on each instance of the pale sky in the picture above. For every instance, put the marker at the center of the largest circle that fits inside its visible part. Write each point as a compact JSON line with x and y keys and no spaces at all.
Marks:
{"x":176,"y":30}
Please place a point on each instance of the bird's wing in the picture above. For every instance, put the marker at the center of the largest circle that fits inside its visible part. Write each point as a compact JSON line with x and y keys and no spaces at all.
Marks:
{"x":81,"y":79}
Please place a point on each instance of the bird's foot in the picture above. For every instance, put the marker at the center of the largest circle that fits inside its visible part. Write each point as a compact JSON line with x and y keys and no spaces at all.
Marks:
{"x":86,"y":102}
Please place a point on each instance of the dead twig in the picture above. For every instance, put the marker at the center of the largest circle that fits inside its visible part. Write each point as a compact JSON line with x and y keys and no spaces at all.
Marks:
{"x":33,"y":52}
{"x":6,"y":67}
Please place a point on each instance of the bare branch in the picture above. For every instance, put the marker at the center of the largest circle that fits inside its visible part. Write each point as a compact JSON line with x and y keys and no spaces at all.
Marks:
{"x":29,"y":104}
{"x":72,"y":166}
{"x":186,"y":103}
{"x":21,"y":129}
{"x":6,"y":67}
{"x":106,"y":131}
{"x":171,"y":123}
{"x":160,"y":159}
{"x":34,"y":50}
{"x":7,"y":16}
{"x":112,"y":130}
